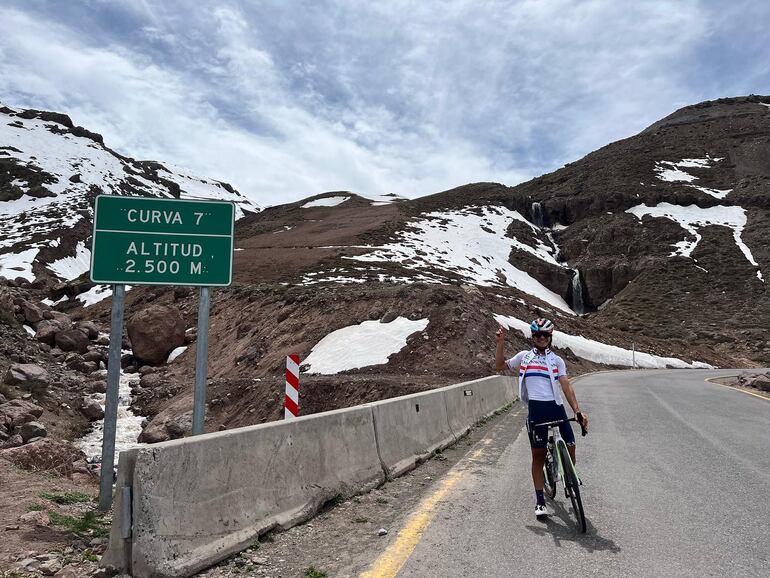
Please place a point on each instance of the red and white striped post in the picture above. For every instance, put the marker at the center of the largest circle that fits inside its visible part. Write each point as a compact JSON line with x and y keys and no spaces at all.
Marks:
{"x":291,"y":399}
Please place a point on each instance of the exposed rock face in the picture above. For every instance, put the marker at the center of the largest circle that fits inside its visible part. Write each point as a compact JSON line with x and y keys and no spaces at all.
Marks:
{"x":155,"y":332}
{"x":72,"y":340}
{"x":27,"y":376}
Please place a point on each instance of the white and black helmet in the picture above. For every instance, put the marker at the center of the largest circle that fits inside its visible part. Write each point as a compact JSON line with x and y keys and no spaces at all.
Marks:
{"x":541,"y":326}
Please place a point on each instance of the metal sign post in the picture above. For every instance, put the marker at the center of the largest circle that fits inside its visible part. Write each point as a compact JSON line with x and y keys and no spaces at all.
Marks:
{"x":201,"y":363}
{"x":111,"y":402}
{"x":145,"y":241}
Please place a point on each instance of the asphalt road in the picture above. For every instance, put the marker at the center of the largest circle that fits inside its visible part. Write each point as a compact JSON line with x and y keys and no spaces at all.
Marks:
{"x":676,"y":480}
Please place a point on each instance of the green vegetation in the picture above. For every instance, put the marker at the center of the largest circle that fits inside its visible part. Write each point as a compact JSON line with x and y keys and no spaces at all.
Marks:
{"x":313,"y":573}
{"x":36,"y":508}
{"x":89,"y":556}
{"x":381,"y":500}
{"x":89,"y":524}
{"x":9,"y":319}
{"x":361,"y":520}
{"x":66,"y":498}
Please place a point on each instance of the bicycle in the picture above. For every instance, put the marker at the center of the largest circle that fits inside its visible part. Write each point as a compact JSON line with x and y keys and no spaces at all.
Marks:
{"x":558,"y":465}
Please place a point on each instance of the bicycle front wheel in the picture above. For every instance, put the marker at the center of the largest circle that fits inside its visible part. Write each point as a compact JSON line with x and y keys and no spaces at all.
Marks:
{"x":572,"y":487}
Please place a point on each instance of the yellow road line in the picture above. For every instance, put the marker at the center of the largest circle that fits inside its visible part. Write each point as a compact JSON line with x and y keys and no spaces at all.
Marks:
{"x":389,"y":564}
{"x":759,"y":395}
{"x":395,"y":556}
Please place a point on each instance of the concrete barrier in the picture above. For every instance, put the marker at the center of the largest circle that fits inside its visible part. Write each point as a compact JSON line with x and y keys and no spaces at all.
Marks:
{"x":199,"y":500}
{"x":469,"y":402}
{"x":118,"y":554}
{"x":195,"y":501}
{"x":410,"y":429}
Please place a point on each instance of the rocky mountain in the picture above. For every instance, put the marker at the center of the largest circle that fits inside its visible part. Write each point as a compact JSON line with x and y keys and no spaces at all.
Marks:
{"x":50,"y":173}
{"x":654,"y":244}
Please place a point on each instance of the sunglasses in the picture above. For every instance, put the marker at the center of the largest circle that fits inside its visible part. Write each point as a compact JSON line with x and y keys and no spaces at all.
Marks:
{"x":538,"y":334}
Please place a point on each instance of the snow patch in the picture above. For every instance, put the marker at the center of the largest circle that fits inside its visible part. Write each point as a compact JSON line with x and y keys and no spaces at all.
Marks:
{"x":176,"y":353}
{"x":470,"y":243}
{"x":69,"y":268}
{"x":362,"y":345}
{"x":672,"y":172}
{"x":601,"y":352}
{"x":691,"y":217}
{"x":13,"y":265}
{"x":325,"y":202}
{"x":96,"y":294}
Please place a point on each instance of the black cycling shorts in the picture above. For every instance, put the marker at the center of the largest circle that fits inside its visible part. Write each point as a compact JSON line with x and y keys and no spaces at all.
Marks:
{"x":545,"y":411}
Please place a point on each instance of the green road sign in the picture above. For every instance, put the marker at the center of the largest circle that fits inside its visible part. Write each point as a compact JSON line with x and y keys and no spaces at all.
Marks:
{"x":141,"y":241}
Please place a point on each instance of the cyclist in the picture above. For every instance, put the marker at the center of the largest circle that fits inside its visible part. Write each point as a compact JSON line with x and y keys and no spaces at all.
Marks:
{"x":543,"y":385}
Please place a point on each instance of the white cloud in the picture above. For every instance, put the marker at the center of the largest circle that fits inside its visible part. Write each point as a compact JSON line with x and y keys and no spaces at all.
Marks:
{"x":285,"y":100}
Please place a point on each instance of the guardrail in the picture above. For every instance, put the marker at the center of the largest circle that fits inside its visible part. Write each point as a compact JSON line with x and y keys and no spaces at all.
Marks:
{"x":184,"y":505}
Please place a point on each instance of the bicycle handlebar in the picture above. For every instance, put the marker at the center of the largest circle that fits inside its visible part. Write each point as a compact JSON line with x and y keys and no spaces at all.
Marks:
{"x":583,"y":431}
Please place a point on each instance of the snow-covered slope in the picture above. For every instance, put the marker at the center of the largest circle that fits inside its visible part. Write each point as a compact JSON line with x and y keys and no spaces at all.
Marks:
{"x":50,"y":173}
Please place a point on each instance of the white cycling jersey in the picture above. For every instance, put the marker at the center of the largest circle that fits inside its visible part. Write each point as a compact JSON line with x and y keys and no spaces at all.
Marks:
{"x":538,"y":375}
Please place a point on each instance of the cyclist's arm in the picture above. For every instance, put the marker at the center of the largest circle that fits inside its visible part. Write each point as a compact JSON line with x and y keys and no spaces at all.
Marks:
{"x":500,"y":362}
{"x":569,"y":393}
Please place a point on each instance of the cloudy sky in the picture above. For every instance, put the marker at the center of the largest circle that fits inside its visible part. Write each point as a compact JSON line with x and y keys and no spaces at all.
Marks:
{"x":285,"y":99}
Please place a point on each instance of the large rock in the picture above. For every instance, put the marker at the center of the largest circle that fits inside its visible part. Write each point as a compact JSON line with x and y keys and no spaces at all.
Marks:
{"x":155,"y":332}
{"x":47,"y":330}
{"x":13,"y":442}
{"x":91,"y":409}
{"x":16,"y":412}
{"x":32,"y":312}
{"x":31,"y":430}
{"x":72,"y":340}
{"x":759,"y":380}
{"x":90,"y":328}
{"x":27,"y":376}
{"x":45,"y":455}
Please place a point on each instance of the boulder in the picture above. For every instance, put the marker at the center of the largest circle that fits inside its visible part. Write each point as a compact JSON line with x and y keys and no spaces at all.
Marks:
{"x":62,"y":318}
{"x":99,"y":386}
{"x":46,"y":455}
{"x":89,"y":367}
{"x":18,"y":411}
{"x":151,"y":380}
{"x":72,"y":340}
{"x":91,"y":409}
{"x":27,"y":376}
{"x":155,"y":332}
{"x":12,"y":442}
{"x":127,"y":360}
{"x":94,"y":355}
{"x":35,"y":519}
{"x":90,"y":329}
{"x":153,"y":433}
{"x":31,"y":430}
{"x":32,"y":312}
{"x":759,"y":381}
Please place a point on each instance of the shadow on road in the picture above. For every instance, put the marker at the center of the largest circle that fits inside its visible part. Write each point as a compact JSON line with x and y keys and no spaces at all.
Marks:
{"x":561,"y":525}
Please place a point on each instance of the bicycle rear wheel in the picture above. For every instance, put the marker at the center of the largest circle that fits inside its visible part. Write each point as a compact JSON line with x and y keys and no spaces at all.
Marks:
{"x":549,"y":469}
{"x":572,"y":487}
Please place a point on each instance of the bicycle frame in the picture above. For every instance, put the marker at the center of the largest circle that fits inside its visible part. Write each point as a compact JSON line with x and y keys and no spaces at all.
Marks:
{"x":553,"y":447}
{"x":558,"y":453}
